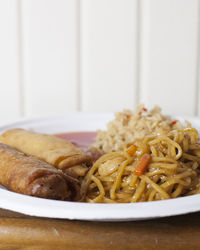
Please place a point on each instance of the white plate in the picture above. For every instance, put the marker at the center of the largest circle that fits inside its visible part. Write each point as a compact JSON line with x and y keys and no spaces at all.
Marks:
{"x":86,"y":211}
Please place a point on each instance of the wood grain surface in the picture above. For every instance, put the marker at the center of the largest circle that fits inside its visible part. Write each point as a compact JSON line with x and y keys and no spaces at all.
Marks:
{"x":24,"y":232}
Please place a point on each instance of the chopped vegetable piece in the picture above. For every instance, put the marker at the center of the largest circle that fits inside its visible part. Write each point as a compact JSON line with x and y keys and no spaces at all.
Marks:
{"x":131,"y":150}
{"x":142,"y":165}
{"x":174,"y":122}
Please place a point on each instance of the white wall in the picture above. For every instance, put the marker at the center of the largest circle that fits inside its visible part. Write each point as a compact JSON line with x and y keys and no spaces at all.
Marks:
{"x":98,"y":55}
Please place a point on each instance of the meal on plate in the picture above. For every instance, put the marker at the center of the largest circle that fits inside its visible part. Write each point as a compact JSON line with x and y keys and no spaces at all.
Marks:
{"x":142,"y":156}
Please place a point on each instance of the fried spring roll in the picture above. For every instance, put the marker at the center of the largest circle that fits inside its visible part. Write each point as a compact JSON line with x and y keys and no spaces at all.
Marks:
{"x":56,"y":151}
{"x":29,"y":175}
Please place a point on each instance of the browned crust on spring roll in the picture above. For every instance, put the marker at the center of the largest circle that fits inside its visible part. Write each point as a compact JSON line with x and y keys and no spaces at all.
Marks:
{"x":56,"y":151}
{"x":29,"y":175}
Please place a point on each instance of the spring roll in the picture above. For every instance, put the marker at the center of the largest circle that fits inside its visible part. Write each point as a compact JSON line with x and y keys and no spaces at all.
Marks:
{"x":29,"y":175}
{"x":55,"y":151}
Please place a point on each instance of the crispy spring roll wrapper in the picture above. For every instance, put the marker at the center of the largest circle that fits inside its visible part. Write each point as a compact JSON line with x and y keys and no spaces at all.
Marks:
{"x":56,"y":151}
{"x":29,"y":175}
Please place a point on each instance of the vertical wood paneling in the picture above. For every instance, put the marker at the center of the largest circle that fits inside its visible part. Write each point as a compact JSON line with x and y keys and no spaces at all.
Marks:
{"x":46,"y":78}
{"x":169,"y":36}
{"x":50,"y":55}
{"x":108,"y":54}
{"x":9,"y":61}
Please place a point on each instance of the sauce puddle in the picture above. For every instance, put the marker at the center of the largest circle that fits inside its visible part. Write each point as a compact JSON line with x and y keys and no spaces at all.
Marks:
{"x":81,"y":140}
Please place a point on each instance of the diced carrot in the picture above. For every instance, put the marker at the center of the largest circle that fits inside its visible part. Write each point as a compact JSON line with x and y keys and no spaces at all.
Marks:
{"x":129,"y":117}
{"x":174,"y":122}
{"x":142,"y":164}
{"x":131,"y":150}
{"x":144,"y":109}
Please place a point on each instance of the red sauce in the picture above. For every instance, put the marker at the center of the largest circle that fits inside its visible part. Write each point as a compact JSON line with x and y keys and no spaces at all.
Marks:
{"x":80,"y":139}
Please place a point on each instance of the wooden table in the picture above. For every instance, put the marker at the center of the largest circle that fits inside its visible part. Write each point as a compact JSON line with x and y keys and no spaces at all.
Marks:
{"x":18,"y":231}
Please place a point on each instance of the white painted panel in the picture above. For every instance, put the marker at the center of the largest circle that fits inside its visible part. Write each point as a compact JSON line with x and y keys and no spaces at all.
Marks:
{"x":108,"y":54}
{"x":169,"y":36}
{"x":9,"y":61}
{"x":50,"y":55}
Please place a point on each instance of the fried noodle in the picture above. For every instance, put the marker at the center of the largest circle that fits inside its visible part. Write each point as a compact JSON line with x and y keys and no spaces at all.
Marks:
{"x":172,"y":171}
